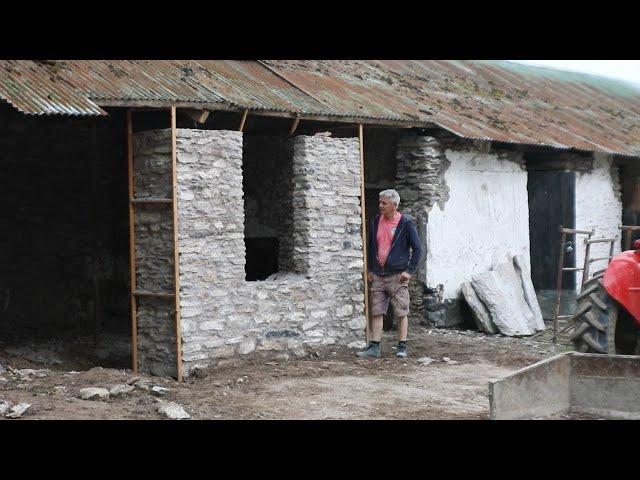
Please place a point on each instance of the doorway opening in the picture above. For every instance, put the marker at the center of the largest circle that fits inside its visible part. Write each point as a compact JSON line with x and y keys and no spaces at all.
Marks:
{"x":64,"y":261}
{"x":551,"y":195}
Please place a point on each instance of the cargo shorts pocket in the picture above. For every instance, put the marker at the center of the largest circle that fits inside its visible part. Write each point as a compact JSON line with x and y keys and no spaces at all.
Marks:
{"x":400,"y":299}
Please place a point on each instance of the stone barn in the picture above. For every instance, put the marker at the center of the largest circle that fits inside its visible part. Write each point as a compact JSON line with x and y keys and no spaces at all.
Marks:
{"x":169,"y":215}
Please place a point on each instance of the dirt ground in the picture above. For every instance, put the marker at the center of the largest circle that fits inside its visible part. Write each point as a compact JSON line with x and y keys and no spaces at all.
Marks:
{"x":445,"y":377}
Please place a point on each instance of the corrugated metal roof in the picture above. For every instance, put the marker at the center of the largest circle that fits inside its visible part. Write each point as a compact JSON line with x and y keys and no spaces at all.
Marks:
{"x":490,"y":100}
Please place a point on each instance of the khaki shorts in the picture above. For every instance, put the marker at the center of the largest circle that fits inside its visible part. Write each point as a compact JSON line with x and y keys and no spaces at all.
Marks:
{"x":389,"y":288}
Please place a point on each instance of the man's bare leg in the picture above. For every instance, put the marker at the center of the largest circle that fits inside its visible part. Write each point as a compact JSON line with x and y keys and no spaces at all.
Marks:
{"x":403,"y":324}
{"x":376,"y":328}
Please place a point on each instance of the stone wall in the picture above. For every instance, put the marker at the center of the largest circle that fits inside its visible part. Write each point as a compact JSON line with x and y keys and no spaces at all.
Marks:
{"x":598,"y":207}
{"x":420,"y":183}
{"x":63,"y":190}
{"x":154,"y":253}
{"x":222,"y":314}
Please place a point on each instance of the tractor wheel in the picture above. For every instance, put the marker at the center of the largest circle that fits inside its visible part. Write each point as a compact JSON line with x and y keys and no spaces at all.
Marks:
{"x":603,"y":326}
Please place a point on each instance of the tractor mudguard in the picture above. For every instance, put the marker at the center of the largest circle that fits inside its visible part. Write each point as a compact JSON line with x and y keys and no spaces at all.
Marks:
{"x":622,"y":281}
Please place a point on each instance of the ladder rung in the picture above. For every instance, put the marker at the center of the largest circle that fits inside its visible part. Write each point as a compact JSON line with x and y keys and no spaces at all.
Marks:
{"x":601,"y":240}
{"x":572,"y":269}
{"x":572,"y":230}
{"x":150,"y":201}
{"x":599,"y":258}
{"x":143,"y":293}
{"x":564,"y":317}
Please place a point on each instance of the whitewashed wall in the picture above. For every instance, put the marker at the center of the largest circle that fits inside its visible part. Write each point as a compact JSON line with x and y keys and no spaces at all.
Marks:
{"x":486,"y":216}
{"x":599,"y":207}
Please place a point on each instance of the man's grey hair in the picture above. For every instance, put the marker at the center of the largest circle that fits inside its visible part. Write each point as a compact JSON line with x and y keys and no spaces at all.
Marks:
{"x":392,"y":195}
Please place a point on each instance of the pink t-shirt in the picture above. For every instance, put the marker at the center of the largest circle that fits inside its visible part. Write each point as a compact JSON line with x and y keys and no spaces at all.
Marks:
{"x":384,"y":237}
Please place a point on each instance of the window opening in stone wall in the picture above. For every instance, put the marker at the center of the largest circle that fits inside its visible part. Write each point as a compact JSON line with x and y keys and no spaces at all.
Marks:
{"x":268,"y":207}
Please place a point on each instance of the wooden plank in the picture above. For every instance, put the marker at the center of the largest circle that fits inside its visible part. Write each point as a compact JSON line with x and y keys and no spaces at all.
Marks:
{"x":144,"y":293}
{"x":573,"y":230}
{"x":212,"y":106}
{"x":176,"y":256}
{"x":364,"y":234}
{"x":150,"y":201}
{"x":244,"y":119}
{"x":132,"y":246}
{"x":601,"y":240}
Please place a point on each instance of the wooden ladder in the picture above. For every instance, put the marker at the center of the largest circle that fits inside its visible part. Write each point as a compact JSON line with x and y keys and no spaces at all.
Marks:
{"x":141,"y":203}
{"x":561,"y":269}
{"x":586,"y":270}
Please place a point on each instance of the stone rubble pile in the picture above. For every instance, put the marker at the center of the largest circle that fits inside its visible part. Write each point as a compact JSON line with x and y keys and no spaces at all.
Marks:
{"x":15,"y":411}
{"x":503,"y":299}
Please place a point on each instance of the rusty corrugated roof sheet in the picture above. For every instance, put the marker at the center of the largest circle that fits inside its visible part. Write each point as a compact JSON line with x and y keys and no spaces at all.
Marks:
{"x":489,"y":100}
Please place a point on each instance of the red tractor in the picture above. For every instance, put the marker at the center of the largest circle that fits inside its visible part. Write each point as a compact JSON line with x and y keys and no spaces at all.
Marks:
{"x":608,"y":314}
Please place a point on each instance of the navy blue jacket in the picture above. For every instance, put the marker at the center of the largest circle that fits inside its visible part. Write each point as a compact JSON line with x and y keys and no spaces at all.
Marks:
{"x":400,"y":258}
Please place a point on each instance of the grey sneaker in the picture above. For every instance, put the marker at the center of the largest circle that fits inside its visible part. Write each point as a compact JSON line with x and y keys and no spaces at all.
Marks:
{"x":372,"y":351}
{"x":402,"y":352}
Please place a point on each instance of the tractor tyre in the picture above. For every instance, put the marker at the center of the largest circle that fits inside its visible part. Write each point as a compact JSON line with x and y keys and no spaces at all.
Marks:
{"x":602,"y":325}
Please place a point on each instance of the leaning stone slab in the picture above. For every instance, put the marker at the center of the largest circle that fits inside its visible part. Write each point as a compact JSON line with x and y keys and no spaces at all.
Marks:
{"x":503,"y":310}
{"x":4,"y":407}
{"x":512,"y":286}
{"x":92,"y":393}
{"x":523,"y":270}
{"x":18,"y":410}
{"x":173,"y":411}
{"x":480,"y":313}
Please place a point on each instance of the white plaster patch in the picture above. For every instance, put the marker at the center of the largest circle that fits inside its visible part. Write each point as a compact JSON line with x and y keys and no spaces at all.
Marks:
{"x":598,"y":207}
{"x":485,"y":219}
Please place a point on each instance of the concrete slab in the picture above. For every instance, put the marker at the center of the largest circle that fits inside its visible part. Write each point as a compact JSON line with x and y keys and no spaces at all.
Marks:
{"x":504,"y":309}
{"x":606,"y":386}
{"x":522,"y":269}
{"x":538,"y":390}
{"x":480,"y":313}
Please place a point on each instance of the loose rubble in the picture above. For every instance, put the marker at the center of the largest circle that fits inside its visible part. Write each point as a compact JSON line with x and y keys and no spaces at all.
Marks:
{"x":159,"y":391}
{"x":173,"y":411}
{"x":18,"y":410}
{"x":93,"y":393}
{"x":120,"y":390}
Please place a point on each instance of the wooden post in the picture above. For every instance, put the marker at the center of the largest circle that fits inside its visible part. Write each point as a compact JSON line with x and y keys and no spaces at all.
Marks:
{"x":295,"y":125}
{"x":364,"y":234}
{"x":176,"y":253}
{"x":244,"y":119}
{"x":563,"y":236}
{"x":132,"y":246}
{"x":96,"y":228}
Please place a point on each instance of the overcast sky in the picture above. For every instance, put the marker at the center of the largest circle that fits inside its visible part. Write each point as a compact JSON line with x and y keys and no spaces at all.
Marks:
{"x":628,"y":70}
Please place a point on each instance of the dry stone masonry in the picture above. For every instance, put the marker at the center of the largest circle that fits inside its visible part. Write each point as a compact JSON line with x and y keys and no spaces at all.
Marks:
{"x":319,"y":303}
{"x":420,"y":183}
{"x":154,"y":253}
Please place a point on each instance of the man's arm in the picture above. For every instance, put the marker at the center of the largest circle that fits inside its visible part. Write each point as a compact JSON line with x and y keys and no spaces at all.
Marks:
{"x":416,"y":248}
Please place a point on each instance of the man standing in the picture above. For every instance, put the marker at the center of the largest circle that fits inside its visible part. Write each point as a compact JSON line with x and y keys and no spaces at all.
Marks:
{"x":394,"y":253}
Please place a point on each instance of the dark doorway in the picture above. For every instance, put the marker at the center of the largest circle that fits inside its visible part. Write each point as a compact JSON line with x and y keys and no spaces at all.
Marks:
{"x":551,"y":204}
